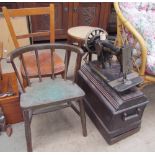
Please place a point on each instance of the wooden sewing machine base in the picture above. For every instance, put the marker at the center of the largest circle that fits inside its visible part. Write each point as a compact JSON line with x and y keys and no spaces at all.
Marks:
{"x":115,"y":115}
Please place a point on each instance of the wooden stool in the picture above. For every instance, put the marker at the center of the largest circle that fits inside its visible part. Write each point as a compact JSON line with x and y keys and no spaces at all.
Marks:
{"x":77,"y":35}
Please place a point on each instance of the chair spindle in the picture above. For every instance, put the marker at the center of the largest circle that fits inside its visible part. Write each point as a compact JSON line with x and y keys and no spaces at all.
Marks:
{"x":77,"y":66}
{"x":52,"y":62}
{"x":66,"y":65}
{"x":38,"y":65}
{"x":18,"y":77}
{"x":25,"y":70}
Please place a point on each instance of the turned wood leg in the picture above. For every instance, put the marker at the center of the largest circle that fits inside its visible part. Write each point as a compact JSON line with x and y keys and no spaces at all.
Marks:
{"x":68,"y":53}
{"x":83,"y":118}
{"x":25,"y":84}
{"x":27,"y":120}
{"x":67,"y":57}
{"x":63,"y":75}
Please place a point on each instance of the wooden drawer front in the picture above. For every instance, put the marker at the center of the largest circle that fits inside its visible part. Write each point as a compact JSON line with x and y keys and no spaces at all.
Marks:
{"x":10,"y":105}
{"x":12,"y":111}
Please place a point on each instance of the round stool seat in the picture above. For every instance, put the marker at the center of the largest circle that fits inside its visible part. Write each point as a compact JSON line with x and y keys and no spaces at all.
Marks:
{"x":79,"y":32}
{"x":77,"y":35}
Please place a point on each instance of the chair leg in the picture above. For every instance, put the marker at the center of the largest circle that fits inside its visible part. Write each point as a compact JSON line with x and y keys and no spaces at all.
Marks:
{"x":63,"y":75}
{"x":25,"y":84}
{"x":27,"y":120}
{"x":83,"y":118}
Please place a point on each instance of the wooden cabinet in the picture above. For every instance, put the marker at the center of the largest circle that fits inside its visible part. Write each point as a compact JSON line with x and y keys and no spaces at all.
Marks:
{"x":61,"y":19}
{"x":41,"y":23}
{"x":91,"y":14}
{"x":11,"y":5}
{"x":85,"y":14}
{"x":112,"y":22}
{"x":69,"y":14}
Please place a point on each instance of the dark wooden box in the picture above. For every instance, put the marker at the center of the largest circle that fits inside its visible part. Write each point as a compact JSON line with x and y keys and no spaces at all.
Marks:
{"x":115,"y":115}
{"x":10,"y":105}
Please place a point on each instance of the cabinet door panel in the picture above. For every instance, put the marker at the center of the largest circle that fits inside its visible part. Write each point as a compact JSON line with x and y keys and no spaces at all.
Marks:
{"x":104,"y":15}
{"x":71,"y":14}
{"x":41,"y":22}
{"x":10,"y":5}
{"x":61,"y":19}
{"x":86,"y":14}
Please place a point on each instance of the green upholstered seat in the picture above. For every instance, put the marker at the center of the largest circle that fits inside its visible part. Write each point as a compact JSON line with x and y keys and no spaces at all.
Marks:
{"x":50,"y":91}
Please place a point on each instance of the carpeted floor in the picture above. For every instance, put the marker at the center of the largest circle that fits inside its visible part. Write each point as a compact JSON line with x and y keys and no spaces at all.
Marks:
{"x":61,"y":131}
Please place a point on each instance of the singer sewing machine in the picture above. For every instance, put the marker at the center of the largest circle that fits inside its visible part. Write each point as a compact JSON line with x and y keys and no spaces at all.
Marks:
{"x":117,"y":73}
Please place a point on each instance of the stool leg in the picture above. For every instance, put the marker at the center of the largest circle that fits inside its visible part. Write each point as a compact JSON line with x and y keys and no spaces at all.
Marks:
{"x":67,"y":56}
{"x":27,"y":120}
{"x":83,"y":118}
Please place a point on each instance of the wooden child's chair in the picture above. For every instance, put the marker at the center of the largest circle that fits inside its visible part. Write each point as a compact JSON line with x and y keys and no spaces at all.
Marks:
{"x":48,"y":94}
{"x":29,"y":58}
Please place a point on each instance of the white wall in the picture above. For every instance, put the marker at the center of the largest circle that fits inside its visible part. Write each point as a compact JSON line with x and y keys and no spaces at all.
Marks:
{"x":20,"y":25}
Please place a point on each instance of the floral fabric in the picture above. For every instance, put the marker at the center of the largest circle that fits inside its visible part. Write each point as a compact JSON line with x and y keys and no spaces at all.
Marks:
{"x":142,"y":16}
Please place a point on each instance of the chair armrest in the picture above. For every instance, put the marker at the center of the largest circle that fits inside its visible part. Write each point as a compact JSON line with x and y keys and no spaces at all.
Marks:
{"x":122,"y":20}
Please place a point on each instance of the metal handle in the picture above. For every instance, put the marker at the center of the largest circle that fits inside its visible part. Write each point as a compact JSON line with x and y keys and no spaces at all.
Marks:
{"x":127,"y":117}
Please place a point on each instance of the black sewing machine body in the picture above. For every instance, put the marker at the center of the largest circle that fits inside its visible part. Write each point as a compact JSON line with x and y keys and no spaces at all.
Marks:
{"x":118,"y":74}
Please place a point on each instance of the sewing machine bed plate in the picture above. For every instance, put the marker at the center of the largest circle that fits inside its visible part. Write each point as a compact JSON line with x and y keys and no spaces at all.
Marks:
{"x":114,"y":77}
{"x":115,"y":115}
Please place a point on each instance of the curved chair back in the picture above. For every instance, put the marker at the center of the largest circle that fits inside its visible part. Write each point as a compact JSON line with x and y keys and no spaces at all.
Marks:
{"x":32,"y":13}
{"x":28,"y":12}
{"x":36,"y":48}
